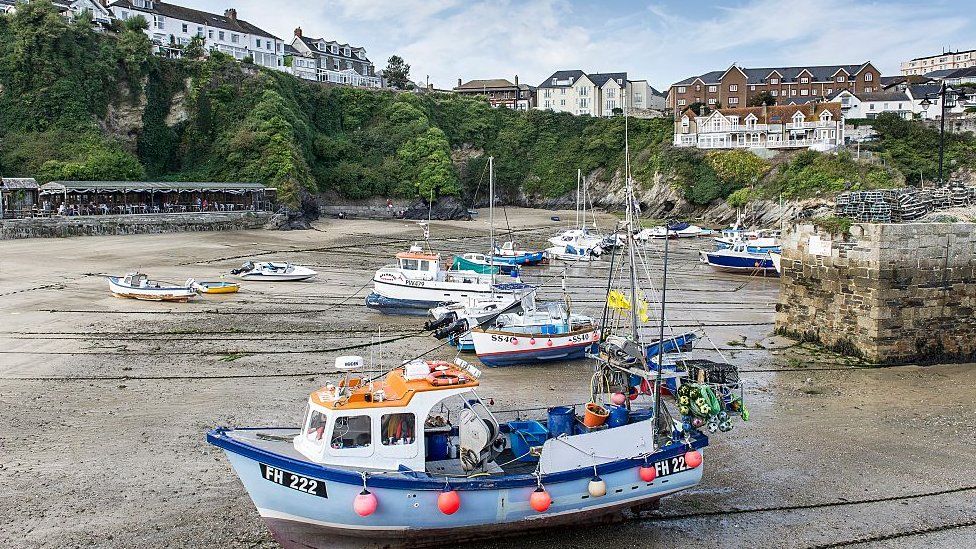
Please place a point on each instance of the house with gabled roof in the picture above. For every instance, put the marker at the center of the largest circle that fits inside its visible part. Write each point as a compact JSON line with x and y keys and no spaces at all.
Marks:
{"x":172,"y":27}
{"x":331,"y":61}
{"x":818,"y":126}
{"x":735,"y":86}
{"x":500,"y":92}
{"x":594,"y":94}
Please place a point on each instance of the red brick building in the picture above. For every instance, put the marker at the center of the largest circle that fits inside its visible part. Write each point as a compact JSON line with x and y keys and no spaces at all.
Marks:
{"x":500,"y":92}
{"x":734,"y":86}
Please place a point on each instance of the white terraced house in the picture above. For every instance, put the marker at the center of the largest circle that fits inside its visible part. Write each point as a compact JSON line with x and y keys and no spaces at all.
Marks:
{"x":69,"y":9}
{"x":817,"y":126}
{"x":329,"y":61}
{"x":598,"y":94}
{"x":171,"y":27}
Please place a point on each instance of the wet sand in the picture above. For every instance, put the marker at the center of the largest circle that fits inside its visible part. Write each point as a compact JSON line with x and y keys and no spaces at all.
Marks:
{"x":106,"y":402}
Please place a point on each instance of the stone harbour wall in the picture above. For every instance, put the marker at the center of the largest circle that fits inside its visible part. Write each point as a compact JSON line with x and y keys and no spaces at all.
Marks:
{"x":890,"y":293}
{"x":61,"y":227}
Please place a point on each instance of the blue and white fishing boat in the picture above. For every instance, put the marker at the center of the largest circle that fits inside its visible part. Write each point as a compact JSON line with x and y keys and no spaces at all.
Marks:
{"x":509,"y":253}
{"x":738,"y":259}
{"x":548,"y":333}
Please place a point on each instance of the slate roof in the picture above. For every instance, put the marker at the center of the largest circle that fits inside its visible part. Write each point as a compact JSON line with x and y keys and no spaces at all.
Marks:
{"x":601,"y":78}
{"x":142,"y":186}
{"x":562,"y":75}
{"x":883,"y":96}
{"x":968,"y":72}
{"x":28,"y":183}
{"x":921,"y":91}
{"x":313,"y":44}
{"x":942,"y":73}
{"x":778,"y":114}
{"x":196,"y":16}
{"x":941,"y":54}
{"x":821,"y":73}
{"x":492,"y":83}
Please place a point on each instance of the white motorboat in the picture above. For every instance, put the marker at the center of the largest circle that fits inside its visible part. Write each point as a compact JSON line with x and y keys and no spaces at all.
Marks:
{"x":416,"y":283}
{"x":272,"y":272}
{"x":570,"y":252}
{"x":138,"y":286}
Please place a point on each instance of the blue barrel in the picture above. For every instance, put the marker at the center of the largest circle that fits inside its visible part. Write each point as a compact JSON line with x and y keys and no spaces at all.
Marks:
{"x":561,"y":420}
{"x":618,"y":416}
{"x":437,"y":446}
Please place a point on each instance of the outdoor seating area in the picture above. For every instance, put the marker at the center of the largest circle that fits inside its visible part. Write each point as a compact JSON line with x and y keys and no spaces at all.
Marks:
{"x":101,"y":198}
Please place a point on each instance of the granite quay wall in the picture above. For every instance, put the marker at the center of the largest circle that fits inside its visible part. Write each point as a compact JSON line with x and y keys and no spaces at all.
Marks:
{"x":890,"y":293}
{"x":61,"y":227}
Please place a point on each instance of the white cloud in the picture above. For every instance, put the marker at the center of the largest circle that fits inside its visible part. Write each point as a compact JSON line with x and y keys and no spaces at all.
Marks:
{"x":662,"y":41}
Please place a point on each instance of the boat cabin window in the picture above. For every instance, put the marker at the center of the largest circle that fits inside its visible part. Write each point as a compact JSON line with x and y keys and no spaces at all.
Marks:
{"x":351,"y":432}
{"x":425,"y":265}
{"x":315,"y":427}
{"x":398,"y":429}
{"x":409,"y":264}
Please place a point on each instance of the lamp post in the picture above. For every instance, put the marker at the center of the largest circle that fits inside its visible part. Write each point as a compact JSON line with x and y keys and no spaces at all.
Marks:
{"x":947,"y":98}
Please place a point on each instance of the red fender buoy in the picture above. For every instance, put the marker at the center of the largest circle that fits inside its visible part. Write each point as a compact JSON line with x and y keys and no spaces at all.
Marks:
{"x":693,"y":458}
{"x":540,"y":500}
{"x":532,"y":341}
{"x":549,"y":343}
{"x":514,"y":341}
{"x":647,"y":473}
{"x":449,"y":502}
{"x":365,"y":503}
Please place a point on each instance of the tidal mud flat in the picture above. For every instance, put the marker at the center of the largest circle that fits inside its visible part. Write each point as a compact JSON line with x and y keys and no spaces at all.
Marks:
{"x":106,"y":401}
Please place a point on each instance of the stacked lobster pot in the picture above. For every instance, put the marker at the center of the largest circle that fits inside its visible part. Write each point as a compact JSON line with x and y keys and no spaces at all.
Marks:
{"x":902,"y":205}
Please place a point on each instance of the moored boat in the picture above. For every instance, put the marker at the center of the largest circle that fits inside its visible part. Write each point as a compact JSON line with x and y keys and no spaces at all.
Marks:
{"x":482,"y":263}
{"x":272,"y":272}
{"x":738,"y":259}
{"x":137,"y":285}
{"x":216,"y":287}
{"x":510,"y":253}
{"x":548,"y":333}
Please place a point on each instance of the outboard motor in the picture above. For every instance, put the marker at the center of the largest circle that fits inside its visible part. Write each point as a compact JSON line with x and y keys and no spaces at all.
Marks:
{"x":433,"y":324}
{"x":454,"y":328}
{"x":243,"y":269}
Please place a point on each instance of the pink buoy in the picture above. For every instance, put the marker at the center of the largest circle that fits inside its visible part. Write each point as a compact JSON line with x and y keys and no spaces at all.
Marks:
{"x":693,"y":458}
{"x":647,"y":473}
{"x":449,"y":502}
{"x":532,"y":341}
{"x":514,"y":341}
{"x":618,"y":399}
{"x":549,"y":343}
{"x":540,"y":499}
{"x":365,"y":503}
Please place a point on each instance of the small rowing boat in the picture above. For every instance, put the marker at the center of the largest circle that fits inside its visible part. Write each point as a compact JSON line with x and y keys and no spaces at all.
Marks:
{"x":272,"y":272}
{"x":138,"y":286}
{"x":216,"y":287}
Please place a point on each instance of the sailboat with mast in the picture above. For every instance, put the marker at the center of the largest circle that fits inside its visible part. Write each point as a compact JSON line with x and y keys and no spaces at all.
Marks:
{"x":414,"y":457}
{"x":581,"y":243}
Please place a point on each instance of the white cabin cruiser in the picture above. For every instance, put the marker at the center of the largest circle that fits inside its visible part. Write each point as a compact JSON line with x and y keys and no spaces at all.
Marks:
{"x":272,"y":272}
{"x":139,"y":286}
{"x":417,"y":283}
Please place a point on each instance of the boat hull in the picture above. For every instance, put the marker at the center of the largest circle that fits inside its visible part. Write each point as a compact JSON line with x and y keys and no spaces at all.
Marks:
{"x":393,"y":294}
{"x":394,"y":306}
{"x":500,"y":348}
{"x":407,"y":514}
{"x":741,"y":263}
{"x":172,"y":295}
{"x":275,"y":277}
{"x":526,"y":258}
{"x":217,"y":287}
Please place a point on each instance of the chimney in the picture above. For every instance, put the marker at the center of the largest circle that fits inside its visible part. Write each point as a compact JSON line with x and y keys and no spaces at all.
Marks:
{"x":459,"y":82}
{"x":516,"y":80}
{"x":231,"y":14}
{"x":298,"y":32}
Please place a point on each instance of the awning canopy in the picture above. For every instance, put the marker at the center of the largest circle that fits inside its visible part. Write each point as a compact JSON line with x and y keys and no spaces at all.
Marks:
{"x":62,"y":187}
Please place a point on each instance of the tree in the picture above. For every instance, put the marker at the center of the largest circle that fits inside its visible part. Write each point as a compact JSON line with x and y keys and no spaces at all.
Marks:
{"x":698,"y":108}
{"x":137,"y":24}
{"x":194,"y":48}
{"x":762,"y":98}
{"x":397,"y":73}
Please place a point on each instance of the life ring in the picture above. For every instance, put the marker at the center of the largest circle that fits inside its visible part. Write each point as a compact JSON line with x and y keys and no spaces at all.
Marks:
{"x":435,"y":364}
{"x":443,"y":379}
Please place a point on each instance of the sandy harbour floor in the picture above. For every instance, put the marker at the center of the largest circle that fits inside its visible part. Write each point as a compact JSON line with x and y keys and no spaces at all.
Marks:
{"x":105,"y":402}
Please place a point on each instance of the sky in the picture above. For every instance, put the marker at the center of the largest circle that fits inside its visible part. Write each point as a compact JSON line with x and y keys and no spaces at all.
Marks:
{"x":661,"y":41}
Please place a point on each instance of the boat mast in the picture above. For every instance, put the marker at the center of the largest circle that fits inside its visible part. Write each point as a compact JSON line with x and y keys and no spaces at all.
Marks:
{"x":630,"y":232}
{"x":491,"y":211}
{"x":579,"y":177}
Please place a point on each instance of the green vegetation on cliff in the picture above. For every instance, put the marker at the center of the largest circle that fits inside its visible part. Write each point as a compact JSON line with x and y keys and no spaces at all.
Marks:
{"x":75,"y":104}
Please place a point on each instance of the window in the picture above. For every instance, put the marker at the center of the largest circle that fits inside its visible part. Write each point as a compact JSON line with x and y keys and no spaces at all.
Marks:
{"x":397,"y":429}
{"x":159,"y":22}
{"x":734,"y":88}
{"x":562,"y":91}
{"x":257,"y":42}
{"x":583,"y":91}
{"x":315,"y":427}
{"x":347,"y":52}
{"x":185,"y":28}
{"x":681,"y":89}
{"x":220,"y":35}
{"x":752,"y":87}
{"x":234,"y":38}
{"x":562,"y":102}
{"x":774,"y":80}
{"x":351,"y":432}
{"x":841,"y":79}
{"x":774,"y":93}
{"x":210,"y":34}
{"x":681,"y":102}
{"x":713,"y":89}
{"x":697,"y":87}
{"x":830,"y":91}
{"x":793,"y":91}
{"x":804,"y":92}
{"x":711,"y":101}
{"x":804,"y":80}
{"x":409,"y":264}
{"x":685,"y":122}
{"x":867,"y":89}
{"x":868,"y":77}
{"x":733,"y":101}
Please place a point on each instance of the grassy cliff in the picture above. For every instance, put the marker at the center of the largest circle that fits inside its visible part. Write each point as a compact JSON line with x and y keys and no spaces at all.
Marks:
{"x":79,"y":105}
